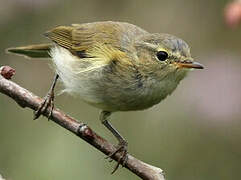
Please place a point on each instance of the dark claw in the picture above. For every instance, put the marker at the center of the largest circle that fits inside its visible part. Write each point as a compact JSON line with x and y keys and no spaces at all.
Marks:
{"x":122,"y":158}
{"x":48,"y":102}
{"x":51,"y":110}
{"x":121,"y":148}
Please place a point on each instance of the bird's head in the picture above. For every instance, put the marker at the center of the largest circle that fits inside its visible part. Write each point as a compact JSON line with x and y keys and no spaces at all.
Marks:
{"x":164,"y":56}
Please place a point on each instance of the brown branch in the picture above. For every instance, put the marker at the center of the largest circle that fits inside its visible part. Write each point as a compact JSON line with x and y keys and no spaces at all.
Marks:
{"x":27,"y":99}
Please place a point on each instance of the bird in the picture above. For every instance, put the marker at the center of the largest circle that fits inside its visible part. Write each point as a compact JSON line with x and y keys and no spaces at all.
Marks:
{"x":114,"y":66}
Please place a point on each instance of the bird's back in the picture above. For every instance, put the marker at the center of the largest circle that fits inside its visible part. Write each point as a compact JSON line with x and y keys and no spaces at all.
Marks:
{"x":83,"y":37}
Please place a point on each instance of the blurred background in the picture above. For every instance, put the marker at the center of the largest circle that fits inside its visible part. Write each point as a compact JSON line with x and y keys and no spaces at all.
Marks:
{"x":193,"y":134}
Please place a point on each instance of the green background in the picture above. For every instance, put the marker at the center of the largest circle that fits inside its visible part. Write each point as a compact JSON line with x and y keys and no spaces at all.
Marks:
{"x":192,"y":135}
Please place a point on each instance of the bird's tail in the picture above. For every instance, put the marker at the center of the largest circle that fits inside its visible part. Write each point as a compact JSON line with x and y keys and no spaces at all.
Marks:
{"x":32,"y":51}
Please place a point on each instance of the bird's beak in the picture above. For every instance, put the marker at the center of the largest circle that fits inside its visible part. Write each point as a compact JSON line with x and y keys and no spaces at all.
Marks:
{"x":189,"y":64}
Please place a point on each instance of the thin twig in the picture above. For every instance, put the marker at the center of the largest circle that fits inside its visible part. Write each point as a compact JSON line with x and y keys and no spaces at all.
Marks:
{"x":27,"y":99}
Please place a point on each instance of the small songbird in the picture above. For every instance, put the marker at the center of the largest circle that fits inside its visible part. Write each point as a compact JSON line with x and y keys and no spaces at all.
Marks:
{"x":114,"y":66}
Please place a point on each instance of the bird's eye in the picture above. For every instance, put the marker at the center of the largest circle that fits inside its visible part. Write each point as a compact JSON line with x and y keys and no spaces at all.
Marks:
{"x":162,"y":55}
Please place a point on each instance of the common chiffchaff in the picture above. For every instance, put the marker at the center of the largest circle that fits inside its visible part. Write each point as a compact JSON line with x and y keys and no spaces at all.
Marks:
{"x":114,"y":66}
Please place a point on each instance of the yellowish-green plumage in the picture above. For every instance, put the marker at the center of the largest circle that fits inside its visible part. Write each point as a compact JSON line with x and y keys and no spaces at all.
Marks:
{"x":113,"y":65}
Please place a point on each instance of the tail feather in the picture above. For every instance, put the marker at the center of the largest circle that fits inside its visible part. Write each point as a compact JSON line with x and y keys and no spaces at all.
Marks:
{"x":32,"y":51}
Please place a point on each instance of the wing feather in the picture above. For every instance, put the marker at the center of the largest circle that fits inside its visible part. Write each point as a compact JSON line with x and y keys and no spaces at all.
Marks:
{"x":80,"y":37}
{"x":105,"y":41}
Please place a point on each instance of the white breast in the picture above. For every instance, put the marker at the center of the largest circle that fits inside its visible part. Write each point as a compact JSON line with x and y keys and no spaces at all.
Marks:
{"x":77,"y":74}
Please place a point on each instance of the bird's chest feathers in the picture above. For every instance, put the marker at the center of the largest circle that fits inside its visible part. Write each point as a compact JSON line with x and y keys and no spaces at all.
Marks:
{"x":116,"y":86}
{"x":153,"y":91}
{"x":141,"y":91}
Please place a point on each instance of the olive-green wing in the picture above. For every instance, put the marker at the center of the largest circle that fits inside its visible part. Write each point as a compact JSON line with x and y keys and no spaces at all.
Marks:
{"x":101,"y":39}
{"x":84,"y":37}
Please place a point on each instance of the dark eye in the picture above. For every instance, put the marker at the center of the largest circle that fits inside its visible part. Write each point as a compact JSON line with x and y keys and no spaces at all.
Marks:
{"x":162,"y":55}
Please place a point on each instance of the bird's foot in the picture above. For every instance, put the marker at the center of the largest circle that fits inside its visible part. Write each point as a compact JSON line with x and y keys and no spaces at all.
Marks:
{"x":48,"y":102}
{"x":122,"y":149}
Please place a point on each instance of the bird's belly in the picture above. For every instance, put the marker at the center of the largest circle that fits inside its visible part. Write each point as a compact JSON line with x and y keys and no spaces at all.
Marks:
{"x":127,"y":99}
{"x":89,"y":82}
{"x":118,"y":97}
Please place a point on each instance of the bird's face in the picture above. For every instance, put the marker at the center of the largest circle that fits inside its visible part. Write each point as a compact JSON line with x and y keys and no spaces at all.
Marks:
{"x":165,"y":56}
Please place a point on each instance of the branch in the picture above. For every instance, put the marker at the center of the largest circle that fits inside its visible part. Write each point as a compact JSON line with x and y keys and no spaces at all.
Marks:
{"x":24,"y":98}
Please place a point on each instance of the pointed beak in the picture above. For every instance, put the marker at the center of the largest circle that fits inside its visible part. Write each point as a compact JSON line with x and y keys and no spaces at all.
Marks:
{"x":189,"y":64}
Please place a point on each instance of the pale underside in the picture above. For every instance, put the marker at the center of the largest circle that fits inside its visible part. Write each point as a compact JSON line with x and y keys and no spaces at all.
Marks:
{"x":90,"y":80}
{"x":105,"y":76}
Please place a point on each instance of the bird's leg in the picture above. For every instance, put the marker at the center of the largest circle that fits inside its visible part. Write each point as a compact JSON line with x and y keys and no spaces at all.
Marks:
{"x":122,"y":145}
{"x":48,"y":101}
